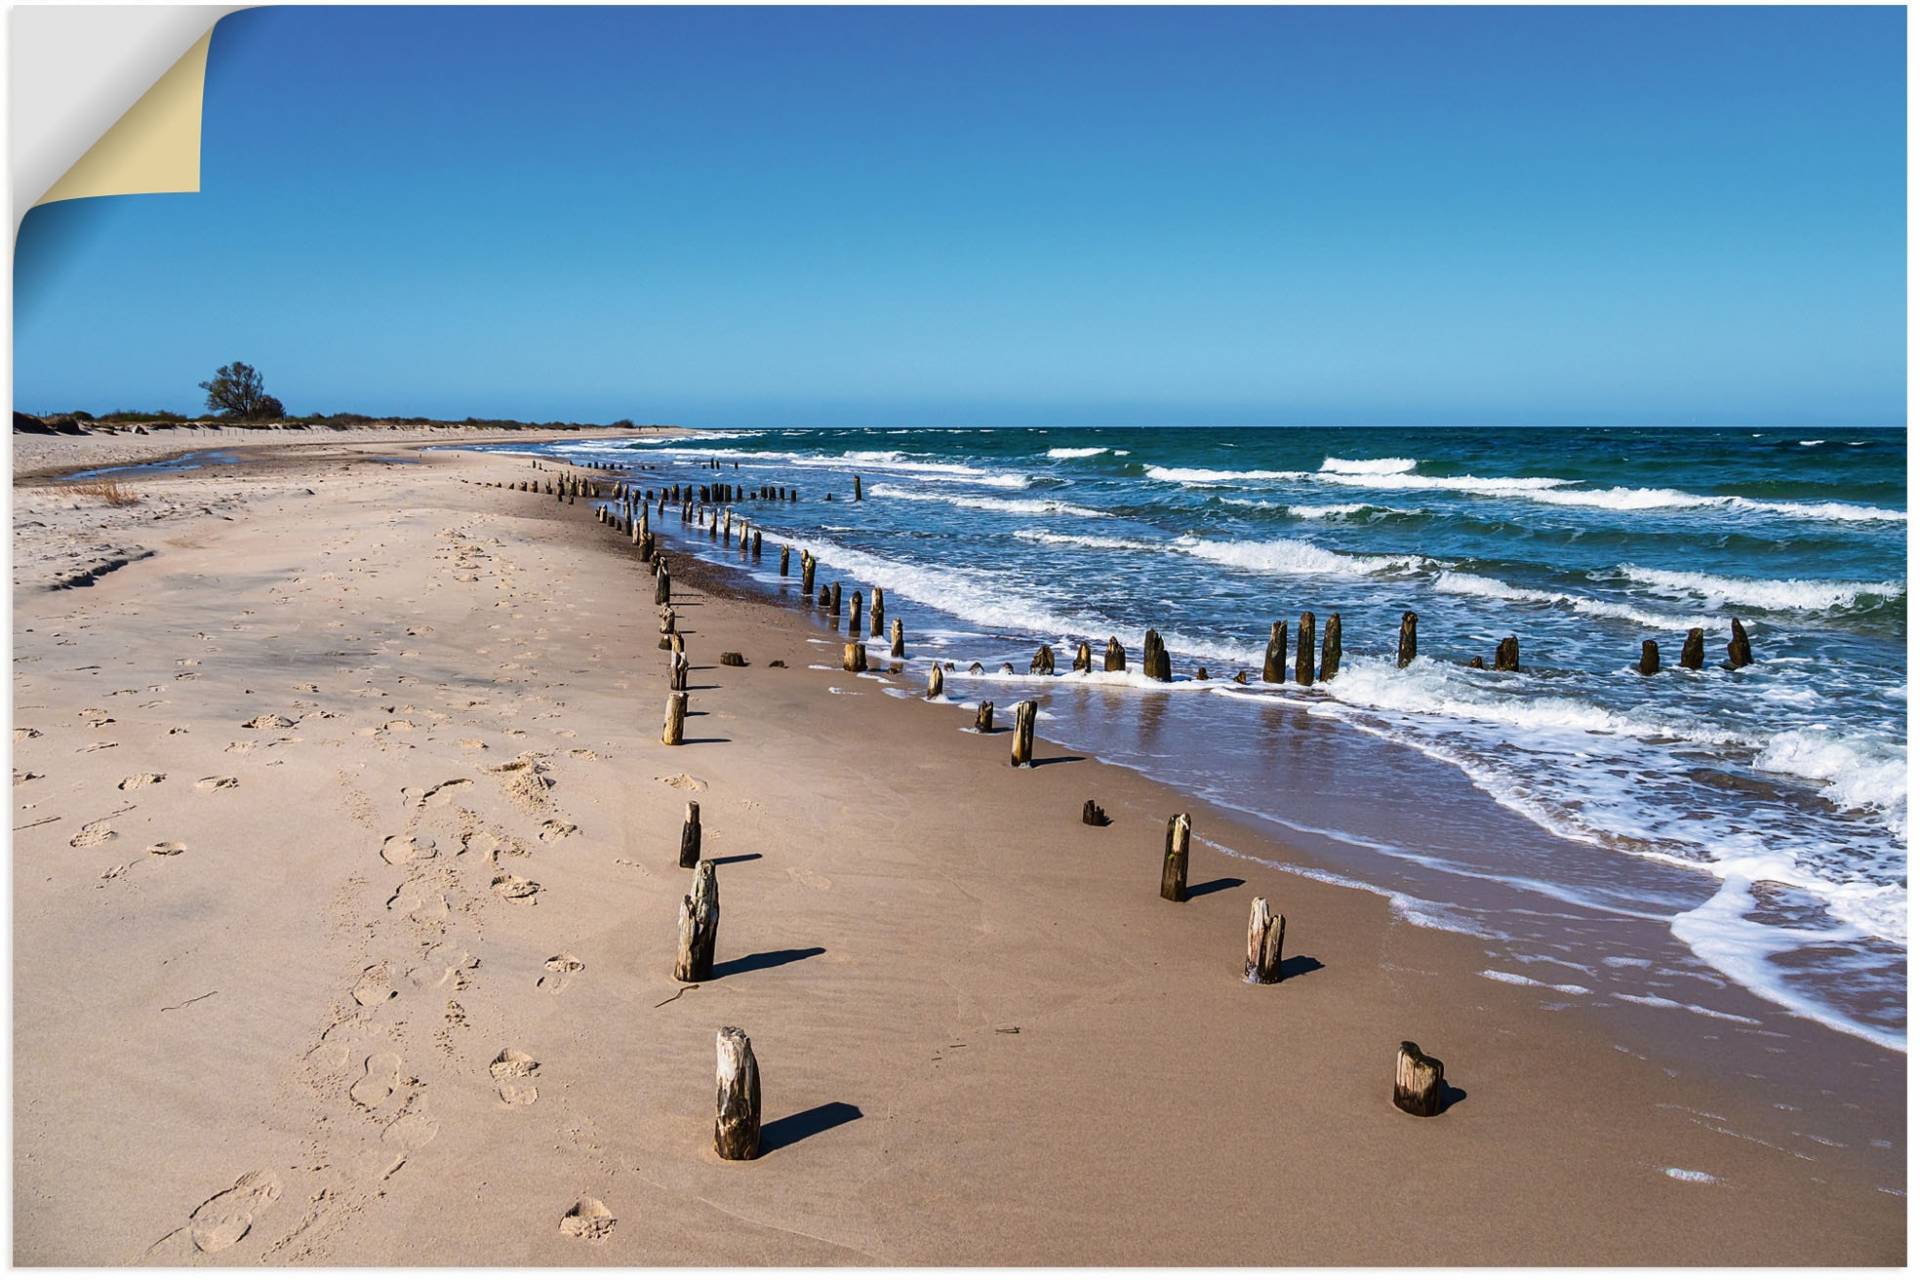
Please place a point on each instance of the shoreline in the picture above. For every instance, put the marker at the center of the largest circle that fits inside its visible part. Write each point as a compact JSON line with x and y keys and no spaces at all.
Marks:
{"x":903,"y":896}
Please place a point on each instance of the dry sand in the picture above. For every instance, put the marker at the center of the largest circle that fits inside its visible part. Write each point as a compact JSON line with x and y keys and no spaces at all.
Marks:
{"x":344,"y":902}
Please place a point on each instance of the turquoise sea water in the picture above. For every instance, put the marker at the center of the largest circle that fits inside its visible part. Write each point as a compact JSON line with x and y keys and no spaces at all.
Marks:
{"x":1757,"y":817}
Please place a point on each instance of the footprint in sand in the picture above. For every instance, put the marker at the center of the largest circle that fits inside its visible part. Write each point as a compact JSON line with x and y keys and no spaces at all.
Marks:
{"x":437,"y":796}
{"x":512,"y":1071}
{"x":411,"y":1132}
{"x":588,"y":1220}
{"x":217,"y":784}
{"x":21,"y":735}
{"x":380,"y":1082}
{"x":268,"y":722}
{"x":98,"y":832}
{"x":560,"y":971}
{"x":552,"y":830}
{"x":140,"y":780}
{"x":375,"y":986}
{"x":515,"y":888}
{"x":399,"y":850}
{"x":166,"y":849}
{"x":684,"y":782}
{"x":224,"y":1220}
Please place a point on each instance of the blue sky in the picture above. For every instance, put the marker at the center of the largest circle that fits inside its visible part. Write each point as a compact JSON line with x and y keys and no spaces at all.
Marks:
{"x":784,"y":216}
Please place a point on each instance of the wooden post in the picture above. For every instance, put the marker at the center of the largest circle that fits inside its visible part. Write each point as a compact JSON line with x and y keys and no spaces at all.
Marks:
{"x":833,"y":603}
{"x":899,"y":639}
{"x":662,"y":586}
{"x":1023,"y":734}
{"x":1330,"y":649}
{"x":1093,"y":815}
{"x":785,"y":552}
{"x":1154,"y":663}
{"x":676,"y":723}
{"x":677,"y":672}
{"x":1506,"y":655}
{"x":877,"y":614}
{"x":853,"y":616}
{"x":1116,"y":657}
{"x":1173,"y":867}
{"x":1042,"y":663}
{"x":1416,"y":1081}
{"x":699,"y":924}
{"x":1649,"y":658}
{"x":1274,"y":669}
{"x":1739,"y":652}
{"x":1409,"y":637}
{"x":806,"y":572}
{"x":1693,"y":651}
{"x":1303,"y":656}
{"x":854,"y":656}
{"x":983,"y":718}
{"x":856,"y":488}
{"x":1266,"y":934}
{"x":1083,"y":657}
{"x":690,"y":836}
{"x":936,"y":683}
{"x":736,"y":1122}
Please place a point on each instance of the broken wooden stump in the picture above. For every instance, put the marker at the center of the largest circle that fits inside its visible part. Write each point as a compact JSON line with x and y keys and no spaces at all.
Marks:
{"x":1116,"y":659}
{"x":936,"y":682}
{"x":1409,"y":638}
{"x":690,"y":836}
{"x":853,"y":616}
{"x":1266,"y":934}
{"x":1042,"y":664}
{"x":662,"y":586}
{"x":1093,"y":815}
{"x":899,"y":639}
{"x":1303,"y":650}
{"x":1083,"y":657}
{"x":785,"y":553}
{"x":1693,"y":650}
{"x":806,"y":572}
{"x":673,"y":732}
{"x":1649,"y":658}
{"x":736,"y":1122}
{"x":677,"y":672}
{"x":1173,"y":866}
{"x":877,"y":614}
{"x":1154,"y":662}
{"x":1023,"y":713}
{"x":1739,"y":652}
{"x":732,"y":659}
{"x":1274,"y":669}
{"x":854,"y":657}
{"x":1506,"y":655}
{"x":833,"y":604}
{"x":699,"y":926}
{"x":983,"y":718}
{"x":1330,"y":649}
{"x":856,"y":489}
{"x":1417,"y":1080}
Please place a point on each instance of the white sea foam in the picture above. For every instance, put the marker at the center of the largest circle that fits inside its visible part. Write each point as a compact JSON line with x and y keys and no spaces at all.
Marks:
{"x":1521,"y":980}
{"x":1473,"y":584}
{"x":881,"y":460}
{"x":1369,"y":466}
{"x":1292,"y":556}
{"x":1207,"y":476}
{"x":1012,"y":506}
{"x":1095,"y":542}
{"x":1661,"y":1002}
{"x":1690,"y":1175}
{"x":1087,"y":453}
{"x":1783,"y":594}
{"x":1858,"y":773}
{"x":1334,"y":512}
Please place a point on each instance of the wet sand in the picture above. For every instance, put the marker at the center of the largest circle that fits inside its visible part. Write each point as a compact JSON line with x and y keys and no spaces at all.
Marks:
{"x":340,"y":796}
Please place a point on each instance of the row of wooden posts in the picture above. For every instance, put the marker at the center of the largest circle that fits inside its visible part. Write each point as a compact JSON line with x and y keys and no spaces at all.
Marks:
{"x":1418,"y":1079}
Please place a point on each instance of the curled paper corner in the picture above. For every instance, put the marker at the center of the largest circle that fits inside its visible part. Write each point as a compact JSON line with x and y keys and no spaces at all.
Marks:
{"x":155,"y":146}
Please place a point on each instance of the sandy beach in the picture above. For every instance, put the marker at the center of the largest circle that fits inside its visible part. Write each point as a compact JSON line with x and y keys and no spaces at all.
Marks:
{"x":345,"y":896}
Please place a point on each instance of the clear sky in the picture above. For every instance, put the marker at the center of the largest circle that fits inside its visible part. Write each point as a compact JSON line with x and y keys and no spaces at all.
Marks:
{"x":783,"y":216}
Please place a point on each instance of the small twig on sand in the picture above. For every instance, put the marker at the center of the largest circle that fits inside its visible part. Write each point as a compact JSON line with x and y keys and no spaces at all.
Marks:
{"x":169,"y":1008}
{"x":43,"y":822}
{"x":676,"y":995}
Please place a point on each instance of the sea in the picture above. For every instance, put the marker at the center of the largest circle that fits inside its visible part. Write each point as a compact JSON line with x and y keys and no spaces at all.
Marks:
{"x":1666,"y":841}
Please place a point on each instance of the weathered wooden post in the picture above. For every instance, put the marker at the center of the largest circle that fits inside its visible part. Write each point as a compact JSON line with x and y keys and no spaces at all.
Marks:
{"x":1266,"y":934}
{"x":856,"y":488}
{"x":983,"y":718}
{"x":806,"y":572}
{"x":1173,"y":867}
{"x":1693,"y":650}
{"x":877,"y":613}
{"x":699,"y":925}
{"x":936,"y":683}
{"x":1506,"y":654}
{"x":1042,"y":663}
{"x":1417,"y":1080}
{"x":833,"y":604}
{"x":854,"y":656}
{"x":1739,"y":652}
{"x":662,"y":585}
{"x":1409,"y":638}
{"x":676,"y":722}
{"x":677,"y":672}
{"x":1023,"y":733}
{"x":690,"y":836}
{"x":1303,"y":656}
{"x":736,"y":1122}
{"x":1274,"y":669}
{"x":785,"y":554}
{"x":1649,"y":658}
{"x":1154,"y":662}
{"x":1083,"y":657}
{"x":853,"y":616}
{"x":1330,"y":649}
{"x":1116,"y":657}
{"x":1092,"y":815}
{"x":899,"y":639}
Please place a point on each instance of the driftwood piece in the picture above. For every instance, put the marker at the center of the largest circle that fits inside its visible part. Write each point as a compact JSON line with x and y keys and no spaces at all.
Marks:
{"x":1693,"y":650}
{"x":736,"y":1121}
{"x":1649,"y":658}
{"x":1274,"y":669}
{"x":1173,"y":866}
{"x":1739,"y":652}
{"x":674,"y":730}
{"x":1266,"y":935}
{"x":699,"y":926}
{"x":1023,"y":734}
{"x":1417,"y":1080}
{"x":1409,"y":638}
{"x":1093,"y":815}
{"x":1330,"y":649}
